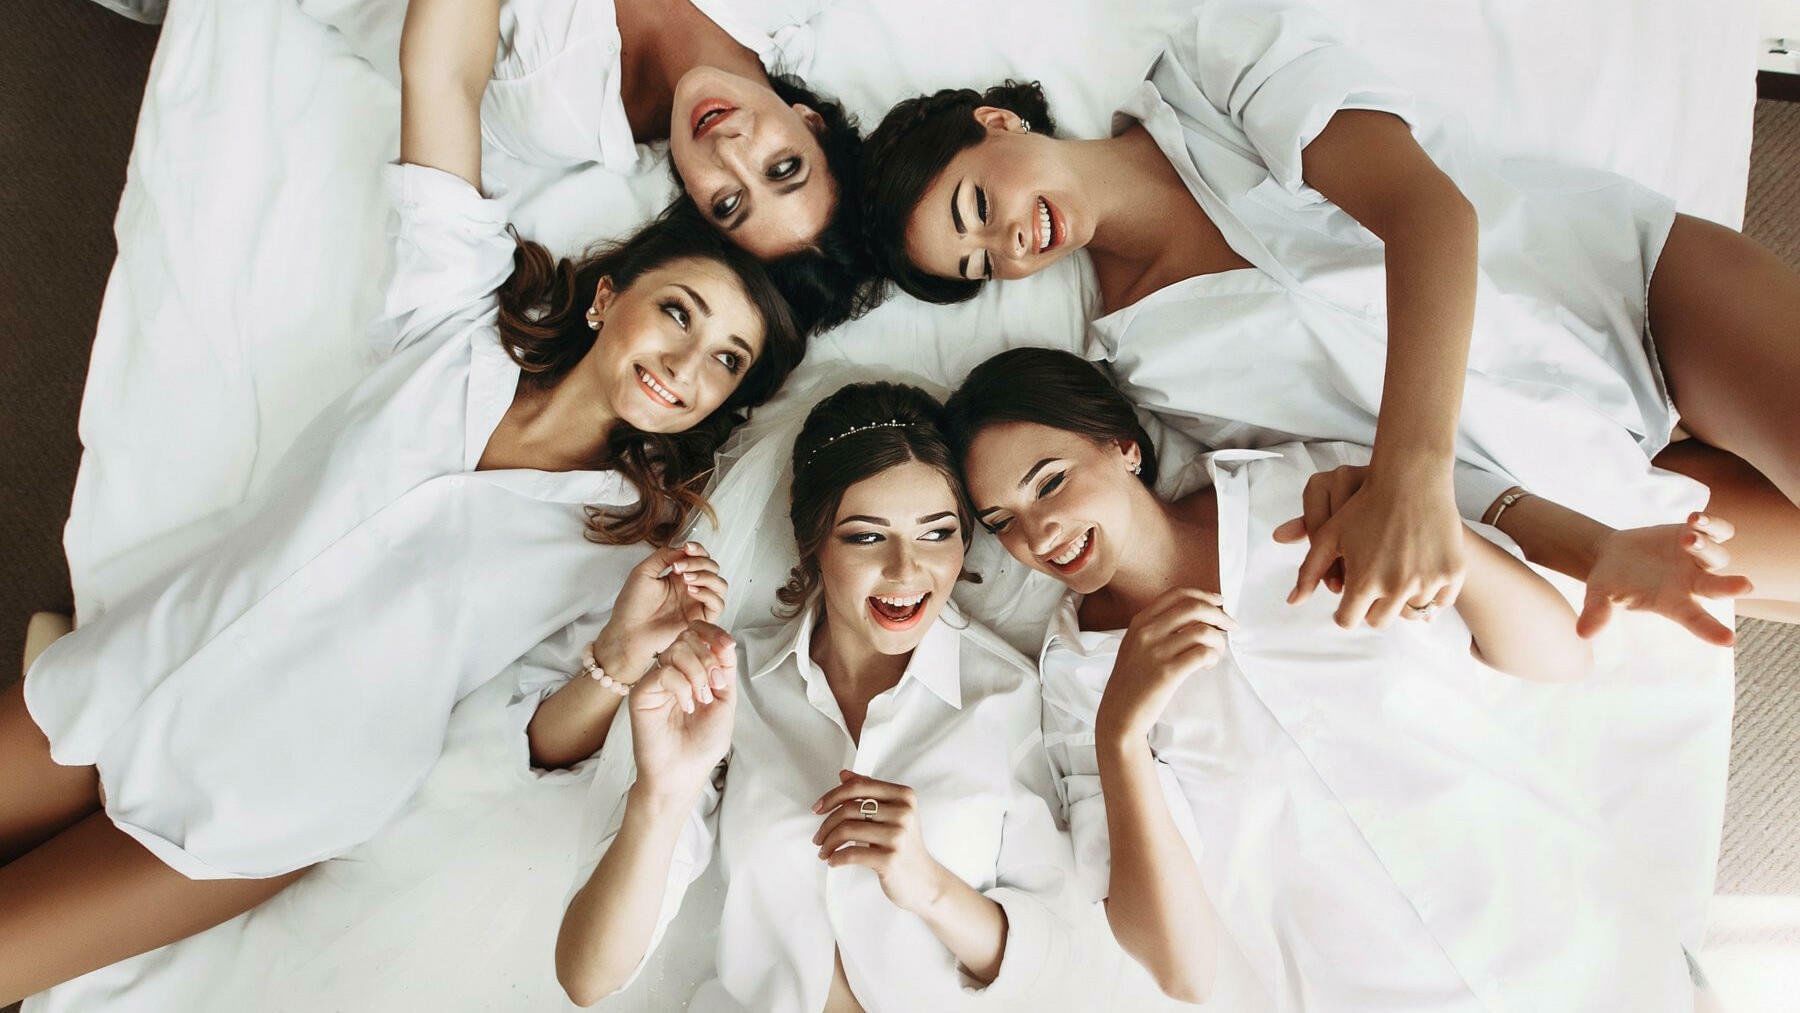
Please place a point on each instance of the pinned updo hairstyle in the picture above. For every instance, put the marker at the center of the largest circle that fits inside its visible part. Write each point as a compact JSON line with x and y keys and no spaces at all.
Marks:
{"x":912,"y":147}
{"x":835,"y":451}
{"x":543,"y":327}
{"x":1051,"y":388}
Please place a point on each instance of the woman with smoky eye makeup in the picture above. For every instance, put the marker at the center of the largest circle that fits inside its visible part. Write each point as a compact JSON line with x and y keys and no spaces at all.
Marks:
{"x":767,"y":160}
{"x":1286,"y":246}
{"x":871,"y":773}
{"x":1352,"y":812}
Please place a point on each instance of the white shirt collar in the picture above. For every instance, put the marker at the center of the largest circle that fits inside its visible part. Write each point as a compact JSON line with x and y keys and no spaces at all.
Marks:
{"x":936,"y":663}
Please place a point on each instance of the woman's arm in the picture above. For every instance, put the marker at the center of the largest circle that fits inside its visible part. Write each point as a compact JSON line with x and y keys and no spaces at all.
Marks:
{"x":610,"y":922}
{"x":1520,"y":623}
{"x":446,"y":57}
{"x":1400,"y":537}
{"x":1156,"y":903}
{"x":661,"y":595}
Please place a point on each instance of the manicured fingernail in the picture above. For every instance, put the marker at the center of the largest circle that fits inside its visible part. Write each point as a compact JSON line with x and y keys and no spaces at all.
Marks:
{"x":689,"y":577}
{"x":706,"y":694}
{"x":693,"y":548}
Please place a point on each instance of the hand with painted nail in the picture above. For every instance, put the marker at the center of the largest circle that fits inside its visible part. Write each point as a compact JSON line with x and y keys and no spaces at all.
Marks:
{"x":875,"y":824}
{"x":681,"y":713}
{"x":671,"y":588}
{"x":1665,"y":569}
{"x":1181,"y":632}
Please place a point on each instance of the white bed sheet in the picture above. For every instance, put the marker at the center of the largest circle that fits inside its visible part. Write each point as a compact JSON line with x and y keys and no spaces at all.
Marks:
{"x":251,"y":250}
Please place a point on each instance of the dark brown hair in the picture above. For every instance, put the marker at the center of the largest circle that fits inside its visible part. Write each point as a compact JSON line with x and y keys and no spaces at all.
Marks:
{"x":1051,"y":388}
{"x":543,"y":326}
{"x":908,"y":152}
{"x":835,"y":451}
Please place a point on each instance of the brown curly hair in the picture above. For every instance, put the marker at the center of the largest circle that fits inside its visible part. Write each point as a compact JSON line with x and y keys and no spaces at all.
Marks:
{"x":543,"y":327}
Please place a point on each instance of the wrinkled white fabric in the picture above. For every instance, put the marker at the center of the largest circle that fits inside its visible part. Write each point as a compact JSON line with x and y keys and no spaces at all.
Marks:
{"x":1382,"y":822}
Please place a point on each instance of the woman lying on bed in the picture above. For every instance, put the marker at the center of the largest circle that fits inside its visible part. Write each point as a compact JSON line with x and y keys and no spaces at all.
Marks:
{"x":275,"y":702}
{"x":928,"y":874}
{"x":1351,"y":809}
{"x":761,"y":156}
{"x":1272,"y":203}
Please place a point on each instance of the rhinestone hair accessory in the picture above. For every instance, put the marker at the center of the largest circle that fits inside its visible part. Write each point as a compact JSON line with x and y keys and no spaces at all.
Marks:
{"x":852,"y":431}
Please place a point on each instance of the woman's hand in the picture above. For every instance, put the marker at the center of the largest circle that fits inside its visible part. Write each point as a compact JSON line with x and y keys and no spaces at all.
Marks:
{"x":1664,"y":569}
{"x":1383,"y":544}
{"x":1182,"y":631}
{"x":670,"y":589}
{"x":681,"y":714}
{"x":886,"y":839}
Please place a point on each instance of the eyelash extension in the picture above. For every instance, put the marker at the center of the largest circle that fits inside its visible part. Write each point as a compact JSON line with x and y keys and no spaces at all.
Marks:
{"x":981,"y":204}
{"x":1050,"y":485}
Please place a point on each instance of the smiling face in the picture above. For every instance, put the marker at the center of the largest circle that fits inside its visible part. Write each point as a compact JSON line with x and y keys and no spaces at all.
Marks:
{"x":674,"y":344}
{"x":751,"y":162}
{"x":893,"y":555}
{"x":1060,"y":502}
{"x":1007,"y":207}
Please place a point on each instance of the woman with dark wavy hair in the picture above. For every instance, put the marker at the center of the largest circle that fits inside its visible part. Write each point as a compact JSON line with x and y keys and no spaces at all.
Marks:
{"x":1285,"y":246}
{"x":761,"y":156}
{"x":537,"y":439}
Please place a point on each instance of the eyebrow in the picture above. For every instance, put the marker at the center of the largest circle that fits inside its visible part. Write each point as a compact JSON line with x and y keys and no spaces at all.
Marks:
{"x":1034,"y":470}
{"x":696,"y":297}
{"x":781,"y":191}
{"x":864,"y":518}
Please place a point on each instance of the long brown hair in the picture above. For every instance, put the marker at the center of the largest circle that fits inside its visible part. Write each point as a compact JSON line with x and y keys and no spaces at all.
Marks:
{"x":859,"y":432}
{"x":543,"y":326}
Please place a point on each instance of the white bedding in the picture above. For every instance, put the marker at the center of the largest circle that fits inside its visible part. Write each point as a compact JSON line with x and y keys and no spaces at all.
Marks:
{"x":251,"y":251}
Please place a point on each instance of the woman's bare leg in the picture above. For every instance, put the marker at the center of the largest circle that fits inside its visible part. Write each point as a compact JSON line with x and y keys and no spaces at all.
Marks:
{"x":1766,"y":548}
{"x":38,"y":796}
{"x":92,"y":896}
{"x":1725,"y":313}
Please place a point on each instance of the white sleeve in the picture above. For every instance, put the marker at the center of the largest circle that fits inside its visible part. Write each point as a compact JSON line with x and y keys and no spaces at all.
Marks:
{"x":452,"y":252}
{"x":542,"y":671}
{"x":1034,"y":885}
{"x":1074,"y":762}
{"x":606,"y":814}
{"x":1280,"y":73}
{"x":556,"y":95}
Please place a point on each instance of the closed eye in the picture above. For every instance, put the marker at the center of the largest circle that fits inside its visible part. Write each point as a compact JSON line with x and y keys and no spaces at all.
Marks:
{"x":999,"y":526}
{"x":1050,"y":485}
{"x":980,"y":204}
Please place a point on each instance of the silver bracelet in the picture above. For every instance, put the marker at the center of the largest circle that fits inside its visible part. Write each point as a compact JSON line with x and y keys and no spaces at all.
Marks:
{"x":592,"y":670}
{"x":1507,"y":499}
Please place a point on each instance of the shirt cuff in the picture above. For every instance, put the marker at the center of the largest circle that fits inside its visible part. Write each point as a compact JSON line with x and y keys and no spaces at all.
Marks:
{"x":519,"y":712}
{"x":1036,"y":940}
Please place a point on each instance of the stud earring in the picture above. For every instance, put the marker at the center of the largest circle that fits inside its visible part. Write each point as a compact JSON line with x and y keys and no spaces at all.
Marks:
{"x":1137,"y":467}
{"x":1025,"y":125}
{"x":593,"y":322}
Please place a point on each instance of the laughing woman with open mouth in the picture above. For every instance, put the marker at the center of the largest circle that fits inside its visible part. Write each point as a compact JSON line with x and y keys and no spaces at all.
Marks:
{"x":1287,"y":246}
{"x":872,"y":772}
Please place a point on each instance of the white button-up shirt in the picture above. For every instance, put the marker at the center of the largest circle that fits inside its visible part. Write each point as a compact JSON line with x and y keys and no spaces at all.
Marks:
{"x":1295,"y":347}
{"x":1383,"y":823}
{"x":961,"y":728}
{"x":275,"y":700}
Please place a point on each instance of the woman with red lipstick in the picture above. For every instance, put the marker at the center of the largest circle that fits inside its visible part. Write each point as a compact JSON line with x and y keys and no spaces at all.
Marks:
{"x":1371,"y":819}
{"x":1343,"y":266}
{"x":871,"y":772}
{"x":529,"y":452}
{"x":762,"y":157}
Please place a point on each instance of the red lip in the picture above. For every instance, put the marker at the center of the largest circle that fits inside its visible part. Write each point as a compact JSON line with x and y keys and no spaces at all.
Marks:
{"x":702,"y":108}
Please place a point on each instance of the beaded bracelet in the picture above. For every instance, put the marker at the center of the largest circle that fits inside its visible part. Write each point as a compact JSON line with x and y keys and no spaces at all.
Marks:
{"x":592,"y":669}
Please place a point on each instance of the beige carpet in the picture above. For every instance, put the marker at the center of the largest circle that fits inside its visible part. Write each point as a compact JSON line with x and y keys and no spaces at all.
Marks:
{"x":1762,"y":807}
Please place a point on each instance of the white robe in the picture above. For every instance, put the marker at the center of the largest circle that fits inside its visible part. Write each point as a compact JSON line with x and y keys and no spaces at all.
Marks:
{"x":1563,"y":394}
{"x":275,"y":700}
{"x":1382,"y":822}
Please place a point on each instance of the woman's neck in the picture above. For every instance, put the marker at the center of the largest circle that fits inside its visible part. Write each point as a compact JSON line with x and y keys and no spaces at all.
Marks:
{"x":1135,"y":194}
{"x":659,"y":41}
{"x":1173,"y":544}
{"x":854,"y":669}
{"x":561,"y":427}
